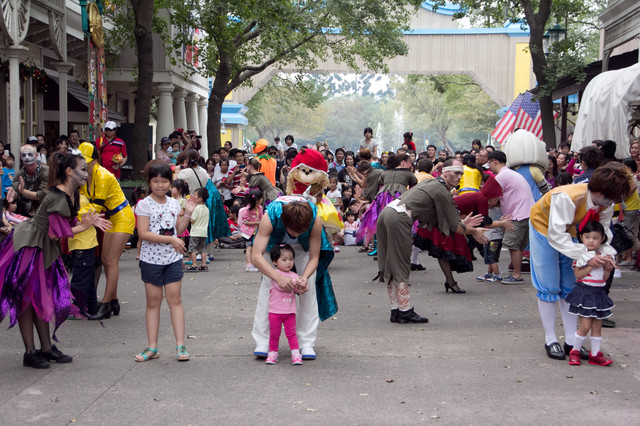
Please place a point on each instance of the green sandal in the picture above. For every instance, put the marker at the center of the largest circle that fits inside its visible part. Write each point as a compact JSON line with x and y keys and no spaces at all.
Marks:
{"x":142,"y":356}
{"x":182,"y":355}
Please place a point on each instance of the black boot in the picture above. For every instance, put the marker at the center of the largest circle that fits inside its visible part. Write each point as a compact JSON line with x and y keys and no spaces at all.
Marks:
{"x":34,"y":359}
{"x":104,"y":311}
{"x":394,"y":315}
{"x":115,"y":307}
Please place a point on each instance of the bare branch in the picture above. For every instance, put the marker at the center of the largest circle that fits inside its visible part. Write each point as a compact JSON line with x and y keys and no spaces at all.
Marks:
{"x":238,"y":39}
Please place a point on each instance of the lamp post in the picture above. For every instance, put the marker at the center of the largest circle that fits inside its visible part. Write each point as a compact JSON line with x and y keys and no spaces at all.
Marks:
{"x":552,"y":36}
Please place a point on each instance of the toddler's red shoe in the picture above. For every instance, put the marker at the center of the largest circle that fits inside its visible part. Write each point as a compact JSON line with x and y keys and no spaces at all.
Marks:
{"x":574,"y":357}
{"x":599,"y":359}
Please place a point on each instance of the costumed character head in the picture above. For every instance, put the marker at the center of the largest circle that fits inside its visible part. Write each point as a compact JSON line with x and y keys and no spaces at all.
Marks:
{"x":260,"y":146}
{"x":308,"y":175}
{"x":524,"y":147}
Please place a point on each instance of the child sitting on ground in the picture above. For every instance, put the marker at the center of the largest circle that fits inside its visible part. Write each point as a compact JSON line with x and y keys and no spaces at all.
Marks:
{"x":198,"y":235}
{"x":10,"y":214}
{"x":350,"y":228}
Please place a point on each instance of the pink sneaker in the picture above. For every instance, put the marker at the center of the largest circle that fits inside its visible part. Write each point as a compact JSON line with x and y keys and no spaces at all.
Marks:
{"x":296,"y":358}
{"x":272,"y":358}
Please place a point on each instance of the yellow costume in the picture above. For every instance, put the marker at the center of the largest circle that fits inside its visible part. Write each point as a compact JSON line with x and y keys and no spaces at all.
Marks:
{"x":106,"y":196}
{"x":470,"y":181}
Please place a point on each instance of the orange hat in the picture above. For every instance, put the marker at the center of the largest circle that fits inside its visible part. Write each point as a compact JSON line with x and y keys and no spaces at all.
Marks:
{"x":260,"y":145}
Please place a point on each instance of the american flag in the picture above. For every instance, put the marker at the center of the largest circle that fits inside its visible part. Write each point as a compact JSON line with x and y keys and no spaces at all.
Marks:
{"x":524,"y":113}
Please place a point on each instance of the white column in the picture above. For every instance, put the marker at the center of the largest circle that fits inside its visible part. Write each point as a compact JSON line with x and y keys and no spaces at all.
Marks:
{"x":202,"y":121}
{"x":15,"y":53}
{"x":63,"y":69}
{"x":165,"y":111}
{"x":179,"y":111}
{"x":192,"y":112}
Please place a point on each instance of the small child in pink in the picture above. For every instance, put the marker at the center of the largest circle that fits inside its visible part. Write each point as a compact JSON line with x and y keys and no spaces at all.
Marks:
{"x":282,"y":306}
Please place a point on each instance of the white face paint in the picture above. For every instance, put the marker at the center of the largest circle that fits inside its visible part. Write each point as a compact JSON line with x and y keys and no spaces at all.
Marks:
{"x":80,"y":174}
{"x":28,"y":157}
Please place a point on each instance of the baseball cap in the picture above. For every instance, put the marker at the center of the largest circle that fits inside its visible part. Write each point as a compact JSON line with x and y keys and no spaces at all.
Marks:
{"x":87,"y":150}
{"x":32,"y":139}
{"x":110,"y":125}
{"x":165,"y":140}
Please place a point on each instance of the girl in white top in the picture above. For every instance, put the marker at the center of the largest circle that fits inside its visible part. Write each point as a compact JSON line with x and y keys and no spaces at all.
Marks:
{"x":589,"y":299}
{"x":369,"y":142}
{"x":159,"y":224}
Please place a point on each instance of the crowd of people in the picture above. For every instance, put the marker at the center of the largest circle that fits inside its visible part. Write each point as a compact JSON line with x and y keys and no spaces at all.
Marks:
{"x":392,"y":204}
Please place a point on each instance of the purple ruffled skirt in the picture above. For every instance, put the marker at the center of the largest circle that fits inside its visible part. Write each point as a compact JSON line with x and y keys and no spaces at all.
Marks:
{"x":369,"y":219}
{"x":26,"y":283}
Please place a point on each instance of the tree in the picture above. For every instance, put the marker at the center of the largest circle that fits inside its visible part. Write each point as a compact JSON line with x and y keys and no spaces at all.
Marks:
{"x":143,"y":32}
{"x":282,"y":103}
{"x":134,"y":23}
{"x":242,"y":38}
{"x":537,"y":13}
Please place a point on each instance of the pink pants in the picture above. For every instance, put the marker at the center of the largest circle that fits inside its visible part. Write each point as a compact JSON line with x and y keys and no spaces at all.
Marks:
{"x":275,"y":324}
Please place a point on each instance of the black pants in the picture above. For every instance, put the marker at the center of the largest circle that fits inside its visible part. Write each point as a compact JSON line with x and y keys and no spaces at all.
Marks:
{"x":83,"y":279}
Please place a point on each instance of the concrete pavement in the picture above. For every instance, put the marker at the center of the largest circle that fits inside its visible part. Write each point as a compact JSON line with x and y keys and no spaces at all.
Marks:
{"x":479,"y":360}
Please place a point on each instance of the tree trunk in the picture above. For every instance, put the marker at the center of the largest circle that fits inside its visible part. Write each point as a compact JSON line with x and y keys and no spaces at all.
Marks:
{"x":143,"y":32}
{"x":546,"y":102}
{"x":213,"y":124}
{"x":219,"y":91}
{"x":537,"y":24}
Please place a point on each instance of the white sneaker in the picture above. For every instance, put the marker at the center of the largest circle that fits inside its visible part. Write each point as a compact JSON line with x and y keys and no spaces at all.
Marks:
{"x":617,"y":273}
{"x":308,"y":353}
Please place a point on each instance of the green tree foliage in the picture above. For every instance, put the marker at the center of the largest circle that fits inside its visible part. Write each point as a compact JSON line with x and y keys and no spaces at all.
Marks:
{"x":565,"y":58}
{"x":242,"y":38}
{"x":283,"y":103}
{"x":446,"y":108}
{"x":449,"y":110}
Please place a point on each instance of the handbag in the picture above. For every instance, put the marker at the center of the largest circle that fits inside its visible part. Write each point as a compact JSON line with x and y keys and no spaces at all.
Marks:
{"x":621,"y":240}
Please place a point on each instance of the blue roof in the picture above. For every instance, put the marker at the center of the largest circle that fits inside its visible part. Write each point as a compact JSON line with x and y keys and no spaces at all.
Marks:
{"x":447,"y":9}
{"x":514,"y":32}
{"x":233,"y":114}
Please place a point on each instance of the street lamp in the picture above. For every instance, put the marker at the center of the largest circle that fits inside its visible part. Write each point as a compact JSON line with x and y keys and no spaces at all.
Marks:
{"x":552,"y":36}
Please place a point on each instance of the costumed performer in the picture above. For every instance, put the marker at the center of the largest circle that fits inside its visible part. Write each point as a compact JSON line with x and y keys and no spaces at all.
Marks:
{"x":269,"y":163}
{"x":35,"y":286}
{"x":431,"y":205}
{"x":393,"y":182}
{"x":218,"y":224}
{"x":552,"y":232}
{"x":106,"y":196}
{"x":308,"y":177}
{"x":452,"y":251}
{"x":294,"y":220}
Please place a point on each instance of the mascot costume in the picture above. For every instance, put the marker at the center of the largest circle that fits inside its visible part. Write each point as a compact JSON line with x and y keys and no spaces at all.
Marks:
{"x":308,"y":178}
{"x":527,"y":155}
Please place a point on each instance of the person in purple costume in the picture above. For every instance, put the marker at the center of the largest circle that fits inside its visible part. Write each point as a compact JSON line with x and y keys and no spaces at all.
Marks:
{"x":35,"y":286}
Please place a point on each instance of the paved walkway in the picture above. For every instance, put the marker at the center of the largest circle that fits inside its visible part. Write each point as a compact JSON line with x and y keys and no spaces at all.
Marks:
{"x":480,"y":360}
